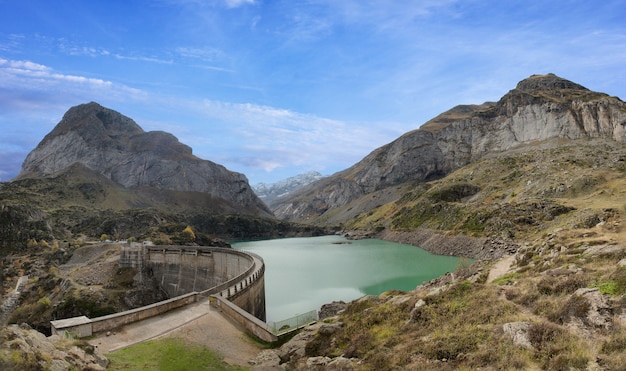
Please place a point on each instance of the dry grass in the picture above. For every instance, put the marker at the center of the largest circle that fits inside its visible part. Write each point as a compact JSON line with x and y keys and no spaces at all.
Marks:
{"x":460,"y":327}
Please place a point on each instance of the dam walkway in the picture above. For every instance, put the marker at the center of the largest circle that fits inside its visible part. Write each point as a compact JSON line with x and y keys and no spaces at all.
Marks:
{"x":198,"y":323}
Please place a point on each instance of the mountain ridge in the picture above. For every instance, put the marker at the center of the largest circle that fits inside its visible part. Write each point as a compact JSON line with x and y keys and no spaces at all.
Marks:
{"x":539,"y":108}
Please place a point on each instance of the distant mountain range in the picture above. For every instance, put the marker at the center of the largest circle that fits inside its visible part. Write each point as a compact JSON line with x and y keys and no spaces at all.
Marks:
{"x":97,"y":171}
{"x":538,"y":175}
{"x":270,"y":192}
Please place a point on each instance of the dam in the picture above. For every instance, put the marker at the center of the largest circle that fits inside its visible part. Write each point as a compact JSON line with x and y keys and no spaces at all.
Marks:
{"x":180,"y":270}
{"x":233,"y":281}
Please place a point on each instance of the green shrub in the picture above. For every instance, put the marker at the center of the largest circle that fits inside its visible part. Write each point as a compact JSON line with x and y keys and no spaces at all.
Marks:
{"x":507,"y":279}
{"x":609,"y":287}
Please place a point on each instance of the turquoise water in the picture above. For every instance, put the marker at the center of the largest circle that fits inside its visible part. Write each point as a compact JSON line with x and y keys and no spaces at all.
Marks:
{"x":302,"y":274}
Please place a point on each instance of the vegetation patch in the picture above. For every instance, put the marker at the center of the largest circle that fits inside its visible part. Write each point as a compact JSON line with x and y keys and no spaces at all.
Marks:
{"x":167,"y":355}
{"x":454,"y":192}
{"x":507,"y":279}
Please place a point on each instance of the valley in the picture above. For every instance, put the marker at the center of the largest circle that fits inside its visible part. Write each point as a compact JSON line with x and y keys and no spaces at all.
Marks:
{"x":532,"y":186}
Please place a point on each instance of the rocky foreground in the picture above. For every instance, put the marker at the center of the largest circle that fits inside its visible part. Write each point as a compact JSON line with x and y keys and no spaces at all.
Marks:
{"x":26,"y":349}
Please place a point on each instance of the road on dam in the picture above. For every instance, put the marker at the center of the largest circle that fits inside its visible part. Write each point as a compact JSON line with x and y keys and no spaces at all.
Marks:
{"x":197,"y":323}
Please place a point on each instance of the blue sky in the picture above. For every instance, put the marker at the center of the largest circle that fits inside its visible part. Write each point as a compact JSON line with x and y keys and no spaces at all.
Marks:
{"x":272,"y":89}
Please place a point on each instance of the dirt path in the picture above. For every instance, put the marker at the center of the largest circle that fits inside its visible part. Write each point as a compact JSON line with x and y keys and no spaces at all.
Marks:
{"x":501,"y":267}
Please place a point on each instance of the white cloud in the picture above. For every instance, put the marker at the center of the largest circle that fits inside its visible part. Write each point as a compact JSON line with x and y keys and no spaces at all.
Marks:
{"x":22,"y":77}
{"x":269,"y":138}
{"x":22,"y":65}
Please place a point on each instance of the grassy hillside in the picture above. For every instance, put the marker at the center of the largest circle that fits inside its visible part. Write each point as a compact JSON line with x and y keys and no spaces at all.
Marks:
{"x":559,"y":303}
{"x":518,"y":195}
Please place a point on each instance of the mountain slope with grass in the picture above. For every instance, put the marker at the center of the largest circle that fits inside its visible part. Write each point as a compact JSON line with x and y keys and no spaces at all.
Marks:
{"x":543,"y":215}
{"x":557,"y":300}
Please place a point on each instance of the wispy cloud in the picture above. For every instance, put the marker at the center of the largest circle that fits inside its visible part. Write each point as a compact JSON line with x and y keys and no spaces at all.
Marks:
{"x":33,"y":83}
{"x":144,"y":59}
{"x":238,"y":3}
{"x":11,"y":42}
{"x":269,"y":138}
{"x":14,"y":73}
{"x":74,"y":50}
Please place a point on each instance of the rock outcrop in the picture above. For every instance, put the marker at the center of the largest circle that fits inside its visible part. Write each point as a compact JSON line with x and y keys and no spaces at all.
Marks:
{"x":541,"y":107}
{"x":22,"y":348}
{"x":113,"y":145}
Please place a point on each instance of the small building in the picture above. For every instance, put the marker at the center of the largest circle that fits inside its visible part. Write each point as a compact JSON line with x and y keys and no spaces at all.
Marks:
{"x":78,"y":327}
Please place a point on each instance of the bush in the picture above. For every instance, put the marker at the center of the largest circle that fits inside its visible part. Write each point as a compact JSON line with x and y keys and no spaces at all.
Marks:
{"x":617,"y":343}
{"x":562,"y":285}
{"x":556,"y":349}
{"x":576,"y":307}
{"x":613,"y":356}
{"x":450,"y":345}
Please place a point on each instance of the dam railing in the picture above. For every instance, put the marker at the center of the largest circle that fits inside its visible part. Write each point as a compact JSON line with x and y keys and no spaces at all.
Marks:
{"x":294,"y":323}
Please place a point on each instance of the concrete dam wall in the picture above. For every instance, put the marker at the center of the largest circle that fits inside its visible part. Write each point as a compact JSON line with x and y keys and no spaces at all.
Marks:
{"x":233,"y":280}
{"x":180,"y":270}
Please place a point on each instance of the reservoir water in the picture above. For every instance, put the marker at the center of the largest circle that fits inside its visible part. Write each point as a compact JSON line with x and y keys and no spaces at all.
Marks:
{"x":302,"y":274}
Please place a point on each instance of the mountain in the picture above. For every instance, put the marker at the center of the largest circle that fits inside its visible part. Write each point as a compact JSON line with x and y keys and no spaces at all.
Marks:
{"x":113,"y":145}
{"x":540,"y":108}
{"x":532,"y":187}
{"x":269,"y":192}
{"x":97,"y":172}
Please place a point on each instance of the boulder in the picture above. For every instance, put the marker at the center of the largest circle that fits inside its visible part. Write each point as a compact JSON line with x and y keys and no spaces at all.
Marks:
{"x":331,"y":309}
{"x":518,"y":333}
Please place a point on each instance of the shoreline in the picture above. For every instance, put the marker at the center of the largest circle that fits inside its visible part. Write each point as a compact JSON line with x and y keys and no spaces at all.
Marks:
{"x":436,"y":242}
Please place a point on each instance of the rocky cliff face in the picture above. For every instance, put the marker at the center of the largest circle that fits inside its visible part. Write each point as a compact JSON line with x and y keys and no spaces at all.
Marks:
{"x":115,"y":146}
{"x":540,"y":107}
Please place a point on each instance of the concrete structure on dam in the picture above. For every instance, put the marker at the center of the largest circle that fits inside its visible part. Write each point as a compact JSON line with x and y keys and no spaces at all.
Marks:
{"x":181,"y":270}
{"x":234,"y":280}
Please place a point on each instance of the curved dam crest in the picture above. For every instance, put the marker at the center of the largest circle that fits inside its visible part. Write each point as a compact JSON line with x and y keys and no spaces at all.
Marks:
{"x":234,"y":281}
{"x":181,"y":270}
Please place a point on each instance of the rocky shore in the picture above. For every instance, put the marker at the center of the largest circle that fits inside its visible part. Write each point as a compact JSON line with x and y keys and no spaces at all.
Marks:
{"x":480,"y":248}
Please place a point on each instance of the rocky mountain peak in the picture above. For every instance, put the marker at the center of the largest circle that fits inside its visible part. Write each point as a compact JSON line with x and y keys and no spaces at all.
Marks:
{"x":270,"y":192}
{"x":549,"y":81}
{"x":95,"y":122}
{"x":541,"y":107}
{"x":113,"y":145}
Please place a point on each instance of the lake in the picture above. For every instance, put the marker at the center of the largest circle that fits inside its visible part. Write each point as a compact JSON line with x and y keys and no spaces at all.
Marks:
{"x":302,"y":274}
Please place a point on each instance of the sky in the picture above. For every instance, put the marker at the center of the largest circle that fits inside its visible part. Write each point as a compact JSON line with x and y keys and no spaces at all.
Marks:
{"x":275,"y":88}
